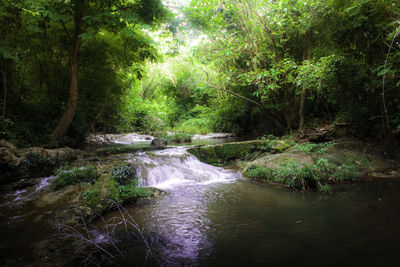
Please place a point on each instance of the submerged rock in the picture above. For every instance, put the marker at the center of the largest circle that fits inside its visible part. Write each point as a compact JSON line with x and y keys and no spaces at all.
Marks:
{"x":69,"y":194}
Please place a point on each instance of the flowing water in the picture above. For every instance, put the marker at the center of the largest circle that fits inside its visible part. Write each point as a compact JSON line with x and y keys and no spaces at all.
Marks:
{"x":215,"y":217}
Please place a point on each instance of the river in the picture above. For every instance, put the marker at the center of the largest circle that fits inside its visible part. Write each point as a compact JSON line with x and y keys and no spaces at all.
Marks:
{"x":215,"y":217}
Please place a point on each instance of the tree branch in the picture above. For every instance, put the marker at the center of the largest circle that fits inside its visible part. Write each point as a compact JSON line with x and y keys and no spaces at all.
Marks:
{"x":227,"y":91}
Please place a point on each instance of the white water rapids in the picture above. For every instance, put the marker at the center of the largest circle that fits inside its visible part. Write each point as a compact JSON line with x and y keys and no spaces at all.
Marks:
{"x":175,"y":166}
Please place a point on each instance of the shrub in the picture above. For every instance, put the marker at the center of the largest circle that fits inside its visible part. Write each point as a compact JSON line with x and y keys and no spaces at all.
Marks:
{"x":64,"y":177}
{"x":127,"y":193}
{"x":92,"y":197}
{"x":34,"y":162}
{"x":123,"y":173}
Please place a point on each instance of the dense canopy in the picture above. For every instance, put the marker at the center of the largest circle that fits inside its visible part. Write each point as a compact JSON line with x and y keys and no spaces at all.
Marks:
{"x":250,"y":67}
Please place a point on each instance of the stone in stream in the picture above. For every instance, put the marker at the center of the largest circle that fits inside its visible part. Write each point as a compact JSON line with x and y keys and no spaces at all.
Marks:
{"x":159,"y":142}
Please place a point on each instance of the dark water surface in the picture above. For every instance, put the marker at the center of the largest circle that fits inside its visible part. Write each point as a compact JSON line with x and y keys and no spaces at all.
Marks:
{"x":240,"y":223}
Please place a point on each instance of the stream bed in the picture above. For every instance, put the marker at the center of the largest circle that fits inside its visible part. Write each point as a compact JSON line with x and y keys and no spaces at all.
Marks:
{"x":215,"y":217}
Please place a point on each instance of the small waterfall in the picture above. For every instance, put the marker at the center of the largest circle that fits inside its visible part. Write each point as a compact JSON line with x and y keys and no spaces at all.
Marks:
{"x":164,"y":169}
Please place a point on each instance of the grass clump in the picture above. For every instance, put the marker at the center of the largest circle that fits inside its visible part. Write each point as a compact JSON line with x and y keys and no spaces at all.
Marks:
{"x":288,"y":173}
{"x":313,"y":148}
{"x":64,"y":177}
{"x":176,"y":137}
{"x":195,"y":126}
{"x":316,"y":176}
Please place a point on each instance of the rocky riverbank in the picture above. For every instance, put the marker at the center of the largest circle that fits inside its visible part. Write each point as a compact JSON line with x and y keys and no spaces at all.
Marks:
{"x":16,"y":164}
{"x":303,"y":166}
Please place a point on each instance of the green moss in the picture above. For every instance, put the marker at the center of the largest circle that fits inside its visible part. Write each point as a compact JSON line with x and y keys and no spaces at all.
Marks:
{"x":224,"y":153}
{"x":64,"y":177}
{"x":280,"y":147}
{"x":205,"y":154}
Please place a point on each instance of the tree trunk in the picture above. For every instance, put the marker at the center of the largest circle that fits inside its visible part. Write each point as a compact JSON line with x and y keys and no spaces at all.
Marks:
{"x":3,"y":111}
{"x":301,"y":112}
{"x":304,"y":91}
{"x":69,"y":113}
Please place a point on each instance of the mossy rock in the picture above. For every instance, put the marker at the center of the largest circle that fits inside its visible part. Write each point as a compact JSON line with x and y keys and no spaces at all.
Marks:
{"x":275,"y":160}
{"x":318,"y":166}
{"x":224,"y":153}
{"x":124,"y":149}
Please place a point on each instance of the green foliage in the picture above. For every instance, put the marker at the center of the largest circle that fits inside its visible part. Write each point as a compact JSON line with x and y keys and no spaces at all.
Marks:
{"x":269,"y":51}
{"x":88,"y":174}
{"x":35,"y":57}
{"x":34,"y":160}
{"x":313,"y":148}
{"x":123,"y":174}
{"x":288,"y":173}
{"x":315,"y":176}
{"x":195,"y":126}
{"x":92,"y":197}
{"x":176,"y":137}
{"x":346,"y":173}
{"x":130,"y":192}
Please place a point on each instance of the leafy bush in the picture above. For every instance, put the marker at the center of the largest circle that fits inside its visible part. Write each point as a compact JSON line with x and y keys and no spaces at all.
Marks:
{"x":127,"y":193}
{"x":92,"y":197}
{"x":123,"y":173}
{"x":64,"y":177}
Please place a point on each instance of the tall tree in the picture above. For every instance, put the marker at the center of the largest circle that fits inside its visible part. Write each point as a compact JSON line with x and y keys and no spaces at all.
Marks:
{"x":89,"y":17}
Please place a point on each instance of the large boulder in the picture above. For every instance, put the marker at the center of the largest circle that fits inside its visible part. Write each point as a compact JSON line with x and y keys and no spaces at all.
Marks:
{"x":222,"y":154}
{"x":32,"y":162}
{"x":8,"y":154}
{"x":9,"y":161}
{"x":57,"y":156}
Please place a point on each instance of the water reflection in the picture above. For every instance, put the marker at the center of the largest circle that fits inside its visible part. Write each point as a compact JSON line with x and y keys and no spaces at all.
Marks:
{"x":246,"y":224}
